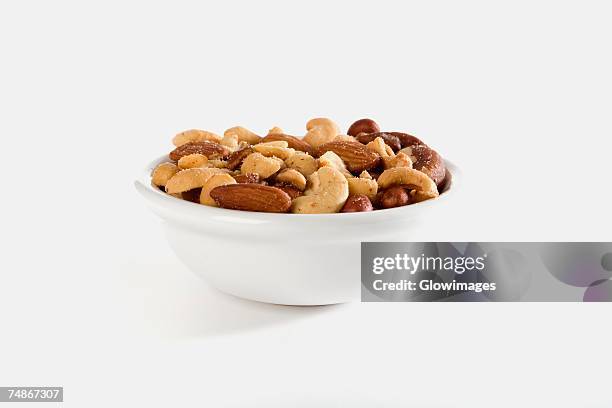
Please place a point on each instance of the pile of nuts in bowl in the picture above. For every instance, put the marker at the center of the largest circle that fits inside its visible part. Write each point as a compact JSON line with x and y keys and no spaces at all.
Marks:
{"x":323,"y":172}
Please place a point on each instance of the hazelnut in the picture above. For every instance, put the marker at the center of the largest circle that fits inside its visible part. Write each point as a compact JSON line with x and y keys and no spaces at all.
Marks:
{"x":363,"y":126}
{"x":357,"y":203}
{"x":395,"y":196}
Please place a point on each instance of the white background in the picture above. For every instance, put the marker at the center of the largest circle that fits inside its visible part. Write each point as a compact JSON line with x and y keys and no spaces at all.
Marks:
{"x":91,"y":298}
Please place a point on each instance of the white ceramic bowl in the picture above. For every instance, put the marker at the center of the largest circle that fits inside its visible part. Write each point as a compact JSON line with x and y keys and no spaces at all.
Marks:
{"x":291,"y":259}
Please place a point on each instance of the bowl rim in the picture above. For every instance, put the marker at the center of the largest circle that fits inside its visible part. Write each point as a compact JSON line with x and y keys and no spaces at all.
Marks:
{"x":157,"y":197}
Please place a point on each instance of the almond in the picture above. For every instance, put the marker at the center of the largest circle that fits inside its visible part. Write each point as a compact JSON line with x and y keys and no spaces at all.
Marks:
{"x":355,"y":155}
{"x":251,"y":197}
{"x":292,"y":141}
{"x":206,"y":148}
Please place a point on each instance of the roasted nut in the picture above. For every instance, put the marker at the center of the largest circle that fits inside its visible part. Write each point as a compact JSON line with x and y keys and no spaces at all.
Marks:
{"x":406,"y":139}
{"x":211,"y":150}
{"x":218,"y":163}
{"x":401,"y":159}
{"x":390,"y":140}
{"x":214,"y":181}
{"x":190,"y":195}
{"x":428,"y":161}
{"x":365,"y":175}
{"x":302,"y":162}
{"x":363,"y":126}
{"x":331,"y":159}
{"x":320,"y":131}
{"x":290,"y":190}
{"x":243,"y":134}
{"x":394,"y":196}
{"x":292,"y":177}
{"x":275,"y":130}
{"x":235,"y":159}
{"x":163,"y":173}
{"x":192,"y":160}
{"x":374,"y":174}
{"x":277,"y":148}
{"x":356,"y":156}
{"x":195,"y":135}
{"x":363,"y":186}
{"x":247,"y":178}
{"x":345,"y":138}
{"x":378,"y":146}
{"x":357,"y":203}
{"x":424,"y":187}
{"x":251,"y":197}
{"x":189,"y":179}
{"x":260,"y":164}
{"x":230,"y":141}
{"x":316,"y":174}
{"x":327,"y":193}
{"x":292,"y":141}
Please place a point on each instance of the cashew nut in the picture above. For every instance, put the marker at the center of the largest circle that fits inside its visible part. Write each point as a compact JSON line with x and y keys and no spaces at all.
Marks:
{"x":230,"y":141}
{"x":195,"y":135}
{"x":379,"y":146}
{"x":293,"y":177}
{"x":331,"y":159}
{"x":275,"y":130}
{"x":327,"y":193}
{"x":163,"y":173}
{"x":192,"y":160}
{"x":320,"y":131}
{"x":189,"y":179}
{"x":364,"y":186}
{"x":273,"y":143}
{"x":244,"y":134}
{"x":218,"y":163}
{"x":408,"y":151}
{"x":278,"y":149}
{"x":215,"y":180}
{"x":365,"y":175}
{"x":302,"y":162}
{"x":399,"y":160}
{"x":424,"y":187}
{"x":345,"y":138}
{"x":260,"y":164}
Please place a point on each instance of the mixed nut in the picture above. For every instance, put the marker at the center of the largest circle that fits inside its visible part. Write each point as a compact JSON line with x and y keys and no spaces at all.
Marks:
{"x":323,"y":172}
